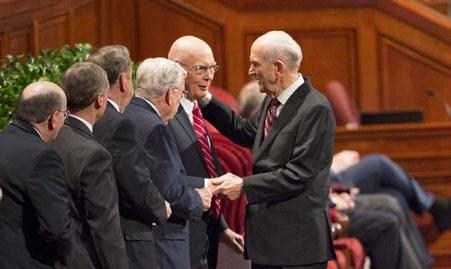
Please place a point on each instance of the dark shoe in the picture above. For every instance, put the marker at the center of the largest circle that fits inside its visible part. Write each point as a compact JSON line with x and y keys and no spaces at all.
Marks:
{"x":441,"y":211}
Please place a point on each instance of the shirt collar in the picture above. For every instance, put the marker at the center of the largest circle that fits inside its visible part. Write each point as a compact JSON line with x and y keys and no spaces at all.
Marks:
{"x":114,"y":104}
{"x":285,"y":95}
{"x":85,"y":122}
{"x":150,"y":103}
{"x":188,"y":107}
{"x":37,"y":131}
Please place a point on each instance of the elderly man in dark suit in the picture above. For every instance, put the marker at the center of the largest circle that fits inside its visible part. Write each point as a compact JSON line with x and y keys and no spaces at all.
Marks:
{"x":34,"y":213}
{"x":160,"y":85}
{"x":287,"y":221}
{"x":89,"y":173}
{"x":197,"y":150}
{"x":140,"y":203}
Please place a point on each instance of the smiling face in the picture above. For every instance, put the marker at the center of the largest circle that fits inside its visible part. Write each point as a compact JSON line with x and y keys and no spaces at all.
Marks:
{"x":197,"y":80}
{"x":264,"y":72}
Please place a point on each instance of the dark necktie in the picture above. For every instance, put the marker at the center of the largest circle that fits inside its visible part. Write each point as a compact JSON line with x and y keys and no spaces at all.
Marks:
{"x":271,"y":115}
{"x":201,"y":133}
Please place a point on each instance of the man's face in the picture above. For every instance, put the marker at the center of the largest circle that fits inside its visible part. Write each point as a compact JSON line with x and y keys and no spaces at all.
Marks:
{"x":177,"y":95}
{"x":200,"y":67}
{"x":262,"y":71}
{"x":128,"y":94}
{"x":59,"y":118}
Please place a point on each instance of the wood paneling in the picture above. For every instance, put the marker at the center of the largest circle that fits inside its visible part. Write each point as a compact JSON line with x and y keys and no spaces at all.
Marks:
{"x":406,"y":75}
{"x":20,"y":41}
{"x":155,"y":18}
{"x":86,"y":15}
{"x":51,"y":33}
{"x":338,"y":50}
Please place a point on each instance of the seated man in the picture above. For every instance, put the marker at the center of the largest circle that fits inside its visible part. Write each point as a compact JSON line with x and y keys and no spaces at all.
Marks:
{"x":378,"y":174}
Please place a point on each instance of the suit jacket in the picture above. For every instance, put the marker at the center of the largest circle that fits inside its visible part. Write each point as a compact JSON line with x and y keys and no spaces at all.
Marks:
{"x":94,"y":198}
{"x":140,"y":203}
{"x":204,"y":233}
{"x":287,"y":221}
{"x":34,"y":212}
{"x":167,"y":172}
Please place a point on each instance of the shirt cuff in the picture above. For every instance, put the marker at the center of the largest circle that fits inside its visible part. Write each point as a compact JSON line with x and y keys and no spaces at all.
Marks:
{"x":205,"y":183}
{"x":206,"y":100}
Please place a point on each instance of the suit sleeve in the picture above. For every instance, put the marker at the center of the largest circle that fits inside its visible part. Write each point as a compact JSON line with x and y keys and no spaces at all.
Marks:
{"x":240,"y":131}
{"x":314,"y":137}
{"x":137,"y":192}
{"x":167,"y":172}
{"x":47,"y":192}
{"x":101,"y":210}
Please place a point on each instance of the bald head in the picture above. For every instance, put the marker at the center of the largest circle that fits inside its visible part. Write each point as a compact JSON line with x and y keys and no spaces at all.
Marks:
{"x":188,"y":48}
{"x":39,"y":100}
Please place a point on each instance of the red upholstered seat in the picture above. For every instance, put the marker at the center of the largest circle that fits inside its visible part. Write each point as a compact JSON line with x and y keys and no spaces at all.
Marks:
{"x":344,"y":107}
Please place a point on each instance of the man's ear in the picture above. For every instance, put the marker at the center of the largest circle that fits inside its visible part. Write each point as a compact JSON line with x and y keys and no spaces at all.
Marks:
{"x":51,"y":122}
{"x":123,"y":82}
{"x":169,"y":96}
{"x":100,"y":99}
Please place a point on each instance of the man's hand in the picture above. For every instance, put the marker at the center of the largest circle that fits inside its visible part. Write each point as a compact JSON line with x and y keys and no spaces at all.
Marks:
{"x":205,"y":195}
{"x":228,"y":185}
{"x":343,"y":201}
{"x":234,"y":240}
{"x":344,"y":159}
{"x":168,"y":209}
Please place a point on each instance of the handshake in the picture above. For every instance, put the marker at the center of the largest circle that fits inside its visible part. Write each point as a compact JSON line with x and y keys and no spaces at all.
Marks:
{"x":227,"y":186}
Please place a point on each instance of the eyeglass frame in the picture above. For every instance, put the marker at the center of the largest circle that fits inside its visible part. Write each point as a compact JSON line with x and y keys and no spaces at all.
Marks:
{"x":65,"y":113}
{"x":200,"y":69}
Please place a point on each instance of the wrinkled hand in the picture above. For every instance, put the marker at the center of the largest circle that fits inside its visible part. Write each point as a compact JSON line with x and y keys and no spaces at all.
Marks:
{"x":234,"y":240}
{"x":205,"y":195}
{"x":343,"y":201}
{"x":344,"y":159}
{"x":168,"y":209}
{"x":228,"y":185}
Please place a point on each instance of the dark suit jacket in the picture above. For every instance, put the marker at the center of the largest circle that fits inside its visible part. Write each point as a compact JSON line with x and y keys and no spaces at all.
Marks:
{"x":140,"y":203}
{"x":287,"y":222}
{"x":193,"y":161}
{"x":94,"y":198}
{"x":34,"y":212}
{"x":168,"y":174}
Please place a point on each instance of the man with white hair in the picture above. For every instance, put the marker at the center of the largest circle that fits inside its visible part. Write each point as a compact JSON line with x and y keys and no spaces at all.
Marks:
{"x":287,"y":220}
{"x":160,"y":85}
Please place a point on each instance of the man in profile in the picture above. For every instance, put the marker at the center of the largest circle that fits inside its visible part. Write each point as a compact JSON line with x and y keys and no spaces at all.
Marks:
{"x":35,"y":226}
{"x":89,"y":174}
{"x":197,"y":150}
{"x":287,"y":220}
{"x":140,"y":203}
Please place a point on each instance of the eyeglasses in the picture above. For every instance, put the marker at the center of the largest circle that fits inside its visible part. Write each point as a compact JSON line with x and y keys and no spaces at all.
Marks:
{"x":201,"y":69}
{"x":65,"y":113}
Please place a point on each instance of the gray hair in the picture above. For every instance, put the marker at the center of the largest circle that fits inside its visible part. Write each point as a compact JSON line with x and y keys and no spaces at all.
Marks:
{"x":281,"y":46}
{"x":82,"y":83}
{"x":114,"y":59}
{"x":37,"y":108}
{"x":156,"y":75}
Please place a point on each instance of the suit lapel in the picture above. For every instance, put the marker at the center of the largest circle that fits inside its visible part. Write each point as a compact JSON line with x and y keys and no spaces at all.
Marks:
{"x":79,"y":127}
{"x":184,"y":121}
{"x":261,"y":124}
{"x":287,"y":113}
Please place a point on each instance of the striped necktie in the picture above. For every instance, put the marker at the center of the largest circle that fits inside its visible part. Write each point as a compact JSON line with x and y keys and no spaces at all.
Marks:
{"x":271,"y":115}
{"x":201,"y":133}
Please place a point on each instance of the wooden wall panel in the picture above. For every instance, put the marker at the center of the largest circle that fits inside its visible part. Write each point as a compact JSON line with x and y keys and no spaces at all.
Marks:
{"x":160,"y":23}
{"x":407,"y":74}
{"x":85,"y":24}
{"x":20,"y":41}
{"x":52,"y":32}
{"x":327,"y":54}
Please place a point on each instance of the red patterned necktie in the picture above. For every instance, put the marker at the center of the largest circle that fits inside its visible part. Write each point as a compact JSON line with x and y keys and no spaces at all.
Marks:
{"x":201,"y":133}
{"x":271,"y":115}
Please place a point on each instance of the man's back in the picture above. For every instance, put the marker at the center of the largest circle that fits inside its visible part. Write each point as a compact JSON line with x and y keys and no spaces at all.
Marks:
{"x":140,"y":204}
{"x":94,"y":199}
{"x":34,"y":218}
